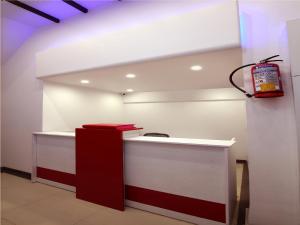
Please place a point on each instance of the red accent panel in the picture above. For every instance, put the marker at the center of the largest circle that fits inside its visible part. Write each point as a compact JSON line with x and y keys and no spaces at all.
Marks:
{"x":191,"y":206}
{"x":57,"y":176}
{"x":99,"y":164}
{"x":99,"y":167}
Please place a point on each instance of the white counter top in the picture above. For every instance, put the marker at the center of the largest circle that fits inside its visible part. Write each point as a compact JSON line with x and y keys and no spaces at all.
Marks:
{"x":56,"y":133}
{"x":184,"y":141}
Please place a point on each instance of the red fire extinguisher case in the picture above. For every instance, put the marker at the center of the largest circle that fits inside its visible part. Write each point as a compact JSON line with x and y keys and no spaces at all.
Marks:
{"x":266,"y":80}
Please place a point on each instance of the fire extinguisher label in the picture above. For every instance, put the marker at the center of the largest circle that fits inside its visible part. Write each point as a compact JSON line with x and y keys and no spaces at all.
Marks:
{"x":266,"y":78}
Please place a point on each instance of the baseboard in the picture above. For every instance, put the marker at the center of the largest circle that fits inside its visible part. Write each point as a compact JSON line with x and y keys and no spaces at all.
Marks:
{"x":242,"y":161}
{"x":15,"y":172}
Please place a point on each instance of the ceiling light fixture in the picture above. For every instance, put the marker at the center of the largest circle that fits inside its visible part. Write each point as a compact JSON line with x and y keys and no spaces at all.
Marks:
{"x":196,"y":68}
{"x":129,"y":90}
{"x":85,"y":81}
{"x":130,"y":75}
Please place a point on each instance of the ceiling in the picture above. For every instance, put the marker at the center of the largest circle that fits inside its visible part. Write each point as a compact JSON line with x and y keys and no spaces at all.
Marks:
{"x":165,"y":74}
{"x":56,"y":8}
{"x":63,"y":11}
{"x":18,"y":24}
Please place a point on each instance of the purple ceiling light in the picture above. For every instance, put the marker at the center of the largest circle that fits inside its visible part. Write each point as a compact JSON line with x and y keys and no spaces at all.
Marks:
{"x":76,"y":5}
{"x":56,"y":8}
{"x":33,"y":10}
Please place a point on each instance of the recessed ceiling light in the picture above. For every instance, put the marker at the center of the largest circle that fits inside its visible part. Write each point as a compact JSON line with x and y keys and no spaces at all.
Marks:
{"x":196,"y":67}
{"x":130,"y":75}
{"x":129,"y":90}
{"x":85,"y":81}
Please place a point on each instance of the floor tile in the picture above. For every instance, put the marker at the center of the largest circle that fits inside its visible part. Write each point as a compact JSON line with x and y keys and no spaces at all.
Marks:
{"x":26,"y":203}
{"x":239,"y":174}
{"x":6,"y":222}
{"x":129,"y":217}
{"x":54,"y":210}
{"x":21,"y":191}
{"x":8,"y":180}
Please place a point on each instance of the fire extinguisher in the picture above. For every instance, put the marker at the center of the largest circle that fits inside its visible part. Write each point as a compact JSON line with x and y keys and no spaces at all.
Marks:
{"x":265,"y":78}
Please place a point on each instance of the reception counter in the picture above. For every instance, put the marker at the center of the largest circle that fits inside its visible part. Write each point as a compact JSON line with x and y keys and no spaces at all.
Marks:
{"x":188,"y":179}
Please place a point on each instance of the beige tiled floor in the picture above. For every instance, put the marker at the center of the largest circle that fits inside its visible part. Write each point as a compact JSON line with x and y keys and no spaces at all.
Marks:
{"x":239,"y":174}
{"x":26,"y":203}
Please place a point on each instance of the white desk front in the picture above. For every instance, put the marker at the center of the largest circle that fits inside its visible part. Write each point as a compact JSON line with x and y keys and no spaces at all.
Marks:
{"x":188,"y":179}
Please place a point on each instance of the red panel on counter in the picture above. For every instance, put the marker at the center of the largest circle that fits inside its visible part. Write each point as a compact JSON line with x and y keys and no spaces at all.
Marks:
{"x":191,"y":206}
{"x":57,"y":176}
{"x":99,"y":164}
{"x":109,"y":126}
{"x":121,"y":127}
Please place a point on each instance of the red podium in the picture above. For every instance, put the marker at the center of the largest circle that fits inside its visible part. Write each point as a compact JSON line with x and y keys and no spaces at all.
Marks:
{"x":99,"y":164}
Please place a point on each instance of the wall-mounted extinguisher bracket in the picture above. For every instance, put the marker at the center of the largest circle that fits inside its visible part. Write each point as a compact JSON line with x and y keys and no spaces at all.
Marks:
{"x":266,"y":79}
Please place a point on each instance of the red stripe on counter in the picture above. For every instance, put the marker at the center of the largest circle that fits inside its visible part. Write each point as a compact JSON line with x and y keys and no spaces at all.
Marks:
{"x":57,"y":176}
{"x":191,"y":206}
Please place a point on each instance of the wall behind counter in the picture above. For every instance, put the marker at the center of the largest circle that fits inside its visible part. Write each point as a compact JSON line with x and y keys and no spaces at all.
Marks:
{"x":67,"y":107}
{"x":212,"y":114}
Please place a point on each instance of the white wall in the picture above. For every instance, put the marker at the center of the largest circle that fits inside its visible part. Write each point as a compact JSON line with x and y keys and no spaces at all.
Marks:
{"x":21,"y":110}
{"x":12,"y":39}
{"x":68,"y":107}
{"x":0,"y":118}
{"x":0,"y":122}
{"x":22,"y":92}
{"x":294,"y":50}
{"x":210,"y":117}
{"x":219,"y":94}
{"x":273,"y":156}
